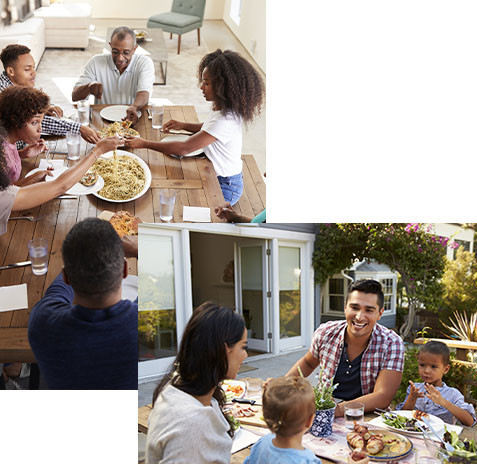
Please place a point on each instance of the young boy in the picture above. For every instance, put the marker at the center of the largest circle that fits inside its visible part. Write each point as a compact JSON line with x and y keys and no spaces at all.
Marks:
{"x":433,"y":395}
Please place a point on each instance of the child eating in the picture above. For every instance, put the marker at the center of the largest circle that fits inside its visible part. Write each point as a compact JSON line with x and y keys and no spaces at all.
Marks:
{"x":288,"y":409}
{"x":433,"y":396}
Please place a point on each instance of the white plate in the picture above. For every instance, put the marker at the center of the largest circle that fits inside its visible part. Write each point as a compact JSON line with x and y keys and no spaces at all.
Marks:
{"x":78,"y":188}
{"x":129,"y":288}
{"x":115,"y":112}
{"x":436,"y":423}
{"x":181,"y":138}
{"x":147,"y":174}
{"x":235,"y":383}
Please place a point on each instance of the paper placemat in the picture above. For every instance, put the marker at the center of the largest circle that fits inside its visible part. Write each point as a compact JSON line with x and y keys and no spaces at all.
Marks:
{"x":196,"y":214}
{"x":244,"y":438}
{"x":13,"y":297}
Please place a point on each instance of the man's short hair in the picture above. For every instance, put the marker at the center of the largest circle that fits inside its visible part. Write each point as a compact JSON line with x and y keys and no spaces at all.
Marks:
{"x":121,"y":33}
{"x":367,"y":286}
{"x":11,"y":53}
{"x":438,"y":348}
{"x":93,"y":257}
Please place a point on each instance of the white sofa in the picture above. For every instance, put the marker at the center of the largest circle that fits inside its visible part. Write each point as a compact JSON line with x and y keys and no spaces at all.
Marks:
{"x":30,"y":33}
{"x":66,"y":24}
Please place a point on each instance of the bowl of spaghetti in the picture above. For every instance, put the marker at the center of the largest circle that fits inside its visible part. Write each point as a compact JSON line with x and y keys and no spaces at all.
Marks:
{"x":126,"y":176}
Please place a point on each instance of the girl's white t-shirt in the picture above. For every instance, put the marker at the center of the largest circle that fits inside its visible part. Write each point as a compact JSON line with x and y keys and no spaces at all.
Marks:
{"x":226,"y":152}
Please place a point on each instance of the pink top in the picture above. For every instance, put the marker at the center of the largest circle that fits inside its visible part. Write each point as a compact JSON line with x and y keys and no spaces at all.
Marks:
{"x":14,"y":162}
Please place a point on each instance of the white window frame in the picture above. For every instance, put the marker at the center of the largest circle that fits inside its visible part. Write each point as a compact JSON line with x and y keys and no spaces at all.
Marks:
{"x":380,"y":276}
{"x":326,"y":295}
{"x":235,"y":11}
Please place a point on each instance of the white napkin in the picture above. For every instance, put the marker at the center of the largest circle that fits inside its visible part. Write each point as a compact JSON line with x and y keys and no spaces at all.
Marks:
{"x":243,"y":438}
{"x":57,"y":163}
{"x":13,"y":297}
{"x":196,"y":214}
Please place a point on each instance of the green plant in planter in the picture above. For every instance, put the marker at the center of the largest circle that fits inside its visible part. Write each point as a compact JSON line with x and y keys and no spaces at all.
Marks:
{"x":323,"y":391}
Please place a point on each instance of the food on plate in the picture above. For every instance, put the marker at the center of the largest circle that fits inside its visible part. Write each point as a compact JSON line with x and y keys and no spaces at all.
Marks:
{"x":374,"y":445}
{"x":418,"y":414}
{"x":125,"y":223}
{"x":234,"y":423}
{"x":465,"y":451}
{"x":121,"y":128}
{"x":140,"y":35}
{"x":357,"y":456}
{"x":232,"y":390}
{"x":402,"y":422}
{"x":239,"y":411}
{"x":90,"y":178}
{"x":355,"y":440}
{"x":362,"y":430}
{"x":123,"y":180}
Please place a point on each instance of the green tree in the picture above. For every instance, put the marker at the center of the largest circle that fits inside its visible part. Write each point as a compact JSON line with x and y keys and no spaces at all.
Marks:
{"x":460,"y":283}
{"x":410,"y":249}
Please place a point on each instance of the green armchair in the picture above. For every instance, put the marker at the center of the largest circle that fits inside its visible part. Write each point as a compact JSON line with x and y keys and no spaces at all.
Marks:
{"x":185,"y":16}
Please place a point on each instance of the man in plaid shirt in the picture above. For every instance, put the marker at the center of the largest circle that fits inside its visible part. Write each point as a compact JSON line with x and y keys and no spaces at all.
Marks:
{"x":20,"y":70}
{"x":363,"y":357}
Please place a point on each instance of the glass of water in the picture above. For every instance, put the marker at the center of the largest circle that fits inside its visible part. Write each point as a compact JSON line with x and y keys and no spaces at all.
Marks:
{"x":353,"y":412}
{"x":167,"y":201}
{"x":38,"y":250}
{"x":157,"y":116}
{"x":83,"y":112}
{"x":73,"y":142}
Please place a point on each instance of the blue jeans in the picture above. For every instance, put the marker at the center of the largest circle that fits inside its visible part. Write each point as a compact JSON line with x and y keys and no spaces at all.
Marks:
{"x":232,"y":187}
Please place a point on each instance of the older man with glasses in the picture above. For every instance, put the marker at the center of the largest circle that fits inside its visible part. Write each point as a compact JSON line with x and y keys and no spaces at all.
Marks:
{"x":122,"y":77}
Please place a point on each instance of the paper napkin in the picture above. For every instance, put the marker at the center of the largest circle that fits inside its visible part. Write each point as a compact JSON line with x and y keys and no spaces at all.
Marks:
{"x":13,"y":297}
{"x":196,"y":214}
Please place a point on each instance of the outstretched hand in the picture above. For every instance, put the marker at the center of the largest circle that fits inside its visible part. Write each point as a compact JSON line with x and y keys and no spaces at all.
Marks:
{"x":172,"y":124}
{"x":415,"y":392}
{"x":434,"y":394}
{"x":134,"y":142}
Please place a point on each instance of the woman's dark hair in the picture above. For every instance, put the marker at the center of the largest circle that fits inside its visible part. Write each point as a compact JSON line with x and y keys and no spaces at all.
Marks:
{"x":439,"y":348}
{"x":19,"y":104}
{"x":237,"y":85}
{"x":201,"y":363}
{"x":4,"y":179}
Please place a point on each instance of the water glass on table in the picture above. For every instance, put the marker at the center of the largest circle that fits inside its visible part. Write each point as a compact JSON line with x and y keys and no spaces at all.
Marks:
{"x":426,"y":457}
{"x":73,"y":142}
{"x":167,"y":201}
{"x":38,"y":251}
{"x":83,"y":112}
{"x":353,"y":412}
{"x":157,"y":116}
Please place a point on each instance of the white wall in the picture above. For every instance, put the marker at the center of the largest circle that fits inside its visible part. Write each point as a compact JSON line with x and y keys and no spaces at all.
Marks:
{"x":251,"y":30}
{"x":454,"y":232}
{"x":142,"y":9}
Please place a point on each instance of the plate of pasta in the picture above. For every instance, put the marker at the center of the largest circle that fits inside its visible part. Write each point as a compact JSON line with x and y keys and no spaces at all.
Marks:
{"x":121,"y":128}
{"x":126,"y":176}
{"x":115,"y":112}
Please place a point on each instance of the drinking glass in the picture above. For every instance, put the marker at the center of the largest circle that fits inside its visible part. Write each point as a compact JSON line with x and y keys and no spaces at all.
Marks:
{"x":83,"y":112}
{"x":38,"y":251}
{"x":167,"y":200}
{"x":73,"y":143}
{"x":157,"y":116}
{"x":426,"y":457}
{"x":353,"y":412}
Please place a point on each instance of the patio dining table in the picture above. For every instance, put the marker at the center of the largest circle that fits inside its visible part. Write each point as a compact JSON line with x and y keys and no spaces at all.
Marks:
{"x":325,"y":447}
{"x":193,"y":178}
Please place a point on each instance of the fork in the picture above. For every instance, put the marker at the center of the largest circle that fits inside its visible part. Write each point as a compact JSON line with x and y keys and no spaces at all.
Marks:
{"x":28,"y":218}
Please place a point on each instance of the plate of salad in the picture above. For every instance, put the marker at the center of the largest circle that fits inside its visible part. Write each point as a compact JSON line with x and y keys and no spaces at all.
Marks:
{"x":465,"y":451}
{"x":408,"y":422}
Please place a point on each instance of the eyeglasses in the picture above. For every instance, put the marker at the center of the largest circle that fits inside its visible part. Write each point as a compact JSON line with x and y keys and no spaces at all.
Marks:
{"x":125,"y":53}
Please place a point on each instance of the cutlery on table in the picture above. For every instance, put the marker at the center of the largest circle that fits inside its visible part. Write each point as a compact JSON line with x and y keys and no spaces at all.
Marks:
{"x":28,"y":218}
{"x":447,"y":446}
{"x":67,"y":197}
{"x":11,"y":266}
{"x":243,"y":400}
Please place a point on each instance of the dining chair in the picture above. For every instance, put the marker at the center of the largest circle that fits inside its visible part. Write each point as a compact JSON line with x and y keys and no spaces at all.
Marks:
{"x":185,"y":16}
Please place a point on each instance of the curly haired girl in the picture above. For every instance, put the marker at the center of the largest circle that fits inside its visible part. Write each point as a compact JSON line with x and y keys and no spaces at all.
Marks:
{"x":236,"y":91}
{"x":21,"y":113}
{"x":288,"y":409}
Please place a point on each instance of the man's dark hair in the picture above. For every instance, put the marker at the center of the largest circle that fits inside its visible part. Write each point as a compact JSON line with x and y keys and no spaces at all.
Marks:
{"x":367,"y":286}
{"x":439,"y":348}
{"x":93,"y":258}
{"x":11,"y":53}
{"x":121,"y":33}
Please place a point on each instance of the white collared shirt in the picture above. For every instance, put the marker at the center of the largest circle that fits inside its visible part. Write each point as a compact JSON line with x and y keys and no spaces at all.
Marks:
{"x":119,"y":89}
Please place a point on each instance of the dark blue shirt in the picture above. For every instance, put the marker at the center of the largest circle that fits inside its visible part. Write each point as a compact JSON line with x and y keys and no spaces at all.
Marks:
{"x":348,"y":377}
{"x":81,"y":348}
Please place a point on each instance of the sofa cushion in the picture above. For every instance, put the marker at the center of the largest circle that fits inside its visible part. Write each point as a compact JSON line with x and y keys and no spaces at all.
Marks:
{"x":65,"y":15}
{"x":63,"y":38}
{"x":174,"y":19}
{"x":31,"y":26}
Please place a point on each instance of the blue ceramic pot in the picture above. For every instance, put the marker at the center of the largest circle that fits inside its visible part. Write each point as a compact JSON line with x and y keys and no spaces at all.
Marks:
{"x":323,"y":422}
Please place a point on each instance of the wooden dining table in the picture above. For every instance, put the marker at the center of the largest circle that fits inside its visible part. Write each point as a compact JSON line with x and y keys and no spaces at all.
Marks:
{"x":193,"y":178}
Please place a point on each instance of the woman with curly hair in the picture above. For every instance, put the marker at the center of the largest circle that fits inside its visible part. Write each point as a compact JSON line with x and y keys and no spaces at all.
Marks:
{"x":236,"y":91}
{"x":21,"y":113}
{"x":187,"y":423}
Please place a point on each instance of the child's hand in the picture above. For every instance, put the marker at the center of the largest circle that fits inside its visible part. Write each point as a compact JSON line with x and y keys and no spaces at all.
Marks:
{"x":434,"y":394}
{"x":172,"y":124}
{"x":415,"y":393}
{"x":134,"y":142}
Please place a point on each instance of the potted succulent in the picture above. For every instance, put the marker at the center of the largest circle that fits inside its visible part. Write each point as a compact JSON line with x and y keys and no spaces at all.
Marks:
{"x":325,"y":406}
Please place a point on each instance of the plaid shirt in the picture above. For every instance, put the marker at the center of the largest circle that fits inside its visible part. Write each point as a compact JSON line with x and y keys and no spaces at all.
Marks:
{"x":50,"y":124}
{"x":385,"y":351}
